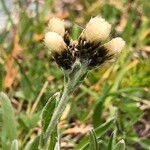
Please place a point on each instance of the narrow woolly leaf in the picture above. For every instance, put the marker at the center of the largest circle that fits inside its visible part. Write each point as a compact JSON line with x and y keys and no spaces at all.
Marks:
{"x":14,"y":145}
{"x":46,"y":115}
{"x":98,"y":131}
{"x":8,"y":117}
{"x":54,"y":140}
{"x":47,"y":112}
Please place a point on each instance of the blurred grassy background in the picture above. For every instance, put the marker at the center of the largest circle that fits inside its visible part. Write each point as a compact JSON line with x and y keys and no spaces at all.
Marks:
{"x":29,"y":75}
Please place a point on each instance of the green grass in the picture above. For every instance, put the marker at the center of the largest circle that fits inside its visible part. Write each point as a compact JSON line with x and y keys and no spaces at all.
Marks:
{"x":119,"y":91}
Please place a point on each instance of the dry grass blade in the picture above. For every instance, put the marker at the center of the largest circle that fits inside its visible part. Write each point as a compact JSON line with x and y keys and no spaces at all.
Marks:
{"x":11,"y":71}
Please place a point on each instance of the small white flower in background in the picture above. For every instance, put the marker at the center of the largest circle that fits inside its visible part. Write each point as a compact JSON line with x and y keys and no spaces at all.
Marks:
{"x":115,"y":45}
{"x":54,"y":42}
{"x":57,"y":25}
{"x":97,"y":29}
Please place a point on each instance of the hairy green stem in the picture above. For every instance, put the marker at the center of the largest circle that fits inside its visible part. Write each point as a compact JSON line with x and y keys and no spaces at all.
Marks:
{"x":72,"y":83}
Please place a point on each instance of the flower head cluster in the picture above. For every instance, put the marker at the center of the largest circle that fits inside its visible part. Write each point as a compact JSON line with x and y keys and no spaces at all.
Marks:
{"x":89,"y":49}
{"x":57,"y":42}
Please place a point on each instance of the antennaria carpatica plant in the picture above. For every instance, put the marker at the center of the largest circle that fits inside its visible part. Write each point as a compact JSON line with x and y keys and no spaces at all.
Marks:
{"x":76,"y":59}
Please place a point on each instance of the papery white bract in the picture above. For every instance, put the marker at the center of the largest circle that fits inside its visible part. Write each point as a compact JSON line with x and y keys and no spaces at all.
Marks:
{"x":54,"y":42}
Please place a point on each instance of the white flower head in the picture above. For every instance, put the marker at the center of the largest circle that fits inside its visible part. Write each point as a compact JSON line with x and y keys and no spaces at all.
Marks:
{"x":54,"y":42}
{"x":97,"y":29}
{"x":56,"y":25}
{"x":115,"y":45}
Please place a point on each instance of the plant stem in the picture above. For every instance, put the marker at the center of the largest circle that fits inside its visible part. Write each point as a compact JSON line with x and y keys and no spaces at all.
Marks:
{"x":68,"y":88}
{"x":58,"y":111}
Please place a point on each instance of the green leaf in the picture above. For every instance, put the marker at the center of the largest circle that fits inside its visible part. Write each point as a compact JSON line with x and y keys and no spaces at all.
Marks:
{"x":100,"y":105}
{"x":93,"y":141}
{"x":8,"y":117}
{"x":120,"y":145}
{"x":112,"y":141}
{"x":47,"y":111}
{"x":98,"y":131}
{"x":46,"y":116}
{"x":54,"y":140}
{"x":14,"y":145}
